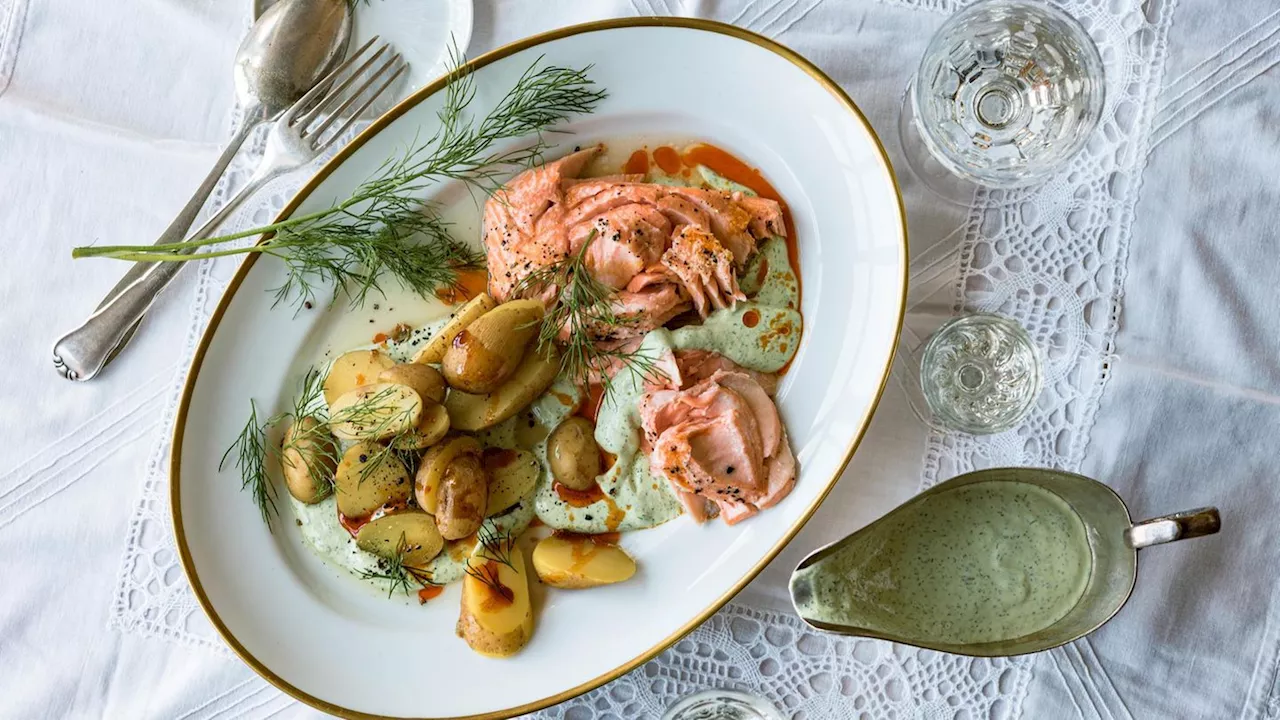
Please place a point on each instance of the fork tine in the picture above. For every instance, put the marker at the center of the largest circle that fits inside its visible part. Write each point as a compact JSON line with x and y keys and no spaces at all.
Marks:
{"x":353,"y":97}
{"x":323,"y":86}
{"x":335,"y":93}
{"x":360,"y":110}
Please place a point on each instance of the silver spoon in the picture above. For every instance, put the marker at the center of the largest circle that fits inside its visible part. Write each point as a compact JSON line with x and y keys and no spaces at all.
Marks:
{"x":288,"y":50}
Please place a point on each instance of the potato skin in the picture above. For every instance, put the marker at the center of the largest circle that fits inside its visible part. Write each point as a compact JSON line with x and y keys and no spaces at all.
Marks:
{"x":484,"y":354}
{"x":424,"y":379}
{"x":426,"y":485}
{"x":469,"y":412}
{"x":573,"y":454}
{"x":435,"y":348}
{"x":308,"y":460}
{"x":463,"y":497}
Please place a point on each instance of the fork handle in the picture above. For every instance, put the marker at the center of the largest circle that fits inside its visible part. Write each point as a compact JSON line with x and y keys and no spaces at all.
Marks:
{"x":177,"y":229}
{"x":83,"y":352}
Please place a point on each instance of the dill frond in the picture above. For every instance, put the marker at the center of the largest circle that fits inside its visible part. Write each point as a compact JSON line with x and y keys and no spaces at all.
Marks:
{"x":385,"y":228}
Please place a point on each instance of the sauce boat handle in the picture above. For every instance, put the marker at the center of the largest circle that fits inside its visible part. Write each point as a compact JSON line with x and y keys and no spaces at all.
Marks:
{"x":1178,"y":526}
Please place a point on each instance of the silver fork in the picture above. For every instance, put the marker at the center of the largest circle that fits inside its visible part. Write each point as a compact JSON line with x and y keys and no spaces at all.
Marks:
{"x":292,"y":143}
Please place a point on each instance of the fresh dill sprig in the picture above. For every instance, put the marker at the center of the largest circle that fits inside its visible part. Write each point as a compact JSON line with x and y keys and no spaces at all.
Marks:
{"x":251,"y":449}
{"x":583,"y":307}
{"x":384,"y":227}
{"x":322,"y":451}
{"x":397,"y":574}
{"x":498,"y":546}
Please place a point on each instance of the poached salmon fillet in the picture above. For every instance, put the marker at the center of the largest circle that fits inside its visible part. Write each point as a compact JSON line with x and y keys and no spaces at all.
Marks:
{"x":661,"y":249}
{"x":720,"y":444}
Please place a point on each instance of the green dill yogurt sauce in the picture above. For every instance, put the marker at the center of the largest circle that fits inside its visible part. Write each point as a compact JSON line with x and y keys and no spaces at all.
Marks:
{"x":985,"y":562}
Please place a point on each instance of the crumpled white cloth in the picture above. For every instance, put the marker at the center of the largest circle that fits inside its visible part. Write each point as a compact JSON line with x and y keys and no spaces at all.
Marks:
{"x":110,"y":113}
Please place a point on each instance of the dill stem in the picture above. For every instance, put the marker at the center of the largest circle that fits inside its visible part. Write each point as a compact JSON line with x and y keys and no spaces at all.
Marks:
{"x":162,"y":251}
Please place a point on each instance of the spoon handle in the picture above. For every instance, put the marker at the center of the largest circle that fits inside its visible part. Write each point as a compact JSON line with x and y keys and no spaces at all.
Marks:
{"x":1178,"y":526}
{"x":83,"y":352}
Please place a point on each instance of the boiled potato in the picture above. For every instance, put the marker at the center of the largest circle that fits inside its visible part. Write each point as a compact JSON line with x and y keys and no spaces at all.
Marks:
{"x":489,"y":350}
{"x":435,"y":348}
{"x":580,"y":562}
{"x":497,"y":616}
{"x":512,"y":475}
{"x":424,"y":379}
{"x":573,"y":454}
{"x":370,"y":478}
{"x":411,"y":531}
{"x":353,"y":369}
{"x":375,"y":412}
{"x":535,"y":374}
{"x":462,"y":498}
{"x":308,"y":459}
{"x":433,"y":426}
{"x":430,"y":475}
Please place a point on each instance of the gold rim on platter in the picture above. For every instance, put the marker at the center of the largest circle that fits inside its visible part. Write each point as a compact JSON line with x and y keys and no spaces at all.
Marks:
{"x":175,"y":460}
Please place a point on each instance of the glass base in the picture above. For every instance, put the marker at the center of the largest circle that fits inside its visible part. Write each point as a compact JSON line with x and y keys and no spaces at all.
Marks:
{"x":721,"y":705}
{"x":924,"y":166}
{"x":980,"y":374}
{"x":937,"y":178}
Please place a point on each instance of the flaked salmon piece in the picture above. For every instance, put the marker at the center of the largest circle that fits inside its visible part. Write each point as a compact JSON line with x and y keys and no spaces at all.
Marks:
{"x":652,"y":275}
{"x":623,"y":242}
{"x":524,"y":227}
{"x":766,"y":413}
{"x":720,"y":441}
{"x":728,"y":220}
{"x":662,"y":371}
{"x":546,"y":213}
{"x":711,"y":458}
{"x":585,"y":199}
{"x":780,"y":471}
{"x":698,"y":365}
{"x":636,"y":312}
{"x":705,"y":269}
{"x":766,"y":216}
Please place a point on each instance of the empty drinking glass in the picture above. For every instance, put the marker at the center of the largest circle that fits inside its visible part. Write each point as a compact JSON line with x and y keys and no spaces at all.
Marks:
{"x":1007,"y":92}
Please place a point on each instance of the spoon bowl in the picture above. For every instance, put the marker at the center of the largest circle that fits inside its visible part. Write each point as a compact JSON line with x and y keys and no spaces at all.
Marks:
{"x":289,"y":49}
{"x":1113,"y":542}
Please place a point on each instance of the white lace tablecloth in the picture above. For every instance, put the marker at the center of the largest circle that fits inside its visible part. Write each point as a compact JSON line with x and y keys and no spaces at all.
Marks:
{"x":1146,"y":271}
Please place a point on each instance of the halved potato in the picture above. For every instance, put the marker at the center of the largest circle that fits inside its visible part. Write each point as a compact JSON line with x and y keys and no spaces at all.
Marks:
{"x":462,"y":498}
{"x":353,"y":369}
{"x":411,"y":531}
{"x":370,"y":478}
{"x":308,"y":460}
{"x":512,"y":475}
{"x":489,"y":350}
{"x":433,"y":426}
{"x":375,"y":412}
{"x":435,"y":348}
{"x":580,"y":562}
{"x":497,"y":616}
{"x":424,"y":379}
{"x":426,"y":484}
{"x":532,"y":378}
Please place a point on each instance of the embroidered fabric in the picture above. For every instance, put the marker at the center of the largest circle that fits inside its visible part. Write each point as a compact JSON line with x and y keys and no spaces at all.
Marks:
{"x":1053,"y":259}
